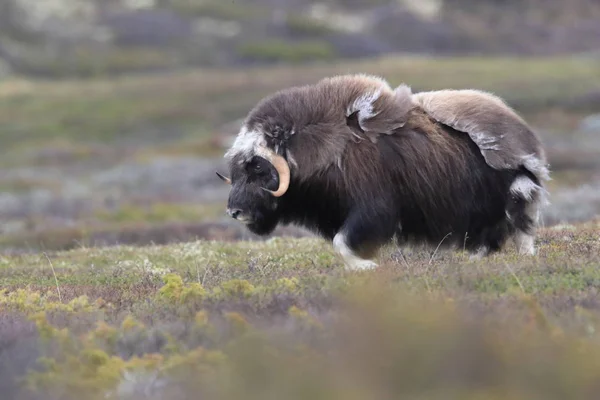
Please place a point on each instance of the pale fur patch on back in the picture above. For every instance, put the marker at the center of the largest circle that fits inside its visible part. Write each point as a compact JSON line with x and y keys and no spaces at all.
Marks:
{"x":464,"y":110}
{"x":491,"y":124}
{"x":403,"y":95}
{"x":446,"y":99}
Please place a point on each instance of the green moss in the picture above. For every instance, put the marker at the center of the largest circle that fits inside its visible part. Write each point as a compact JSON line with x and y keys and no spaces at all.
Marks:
{"x":236,"y":288}
{"x":176,"y":291}
{"x":32,"y":302}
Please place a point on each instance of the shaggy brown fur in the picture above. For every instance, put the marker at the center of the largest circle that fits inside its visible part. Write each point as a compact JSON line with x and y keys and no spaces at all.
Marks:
{"x":369,"y":162}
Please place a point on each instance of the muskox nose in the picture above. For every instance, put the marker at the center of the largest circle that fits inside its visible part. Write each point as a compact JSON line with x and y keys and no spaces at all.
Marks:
{"x":234,"y":213}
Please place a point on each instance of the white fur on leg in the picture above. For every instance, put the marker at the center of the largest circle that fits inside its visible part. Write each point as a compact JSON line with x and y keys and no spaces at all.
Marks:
{"x":481,"y":252}
{"x":352,"y":261}
{"x":525,"y":243}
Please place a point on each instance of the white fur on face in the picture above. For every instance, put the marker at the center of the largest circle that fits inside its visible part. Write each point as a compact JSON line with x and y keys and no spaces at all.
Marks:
{"x":352,"y":261}
{"x":246,"y":143}
{"x":250,"y":143}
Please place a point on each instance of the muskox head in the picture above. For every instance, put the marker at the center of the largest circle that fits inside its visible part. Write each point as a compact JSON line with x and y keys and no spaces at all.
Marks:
{"x":258,"y":180}
{"x":308,"y":127}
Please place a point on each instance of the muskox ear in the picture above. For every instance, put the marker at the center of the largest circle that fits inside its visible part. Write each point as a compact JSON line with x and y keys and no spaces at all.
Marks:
{"x":379,"y":112}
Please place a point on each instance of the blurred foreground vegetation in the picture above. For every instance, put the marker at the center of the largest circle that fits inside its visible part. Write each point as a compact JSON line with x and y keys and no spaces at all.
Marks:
{"x":282,"y":319}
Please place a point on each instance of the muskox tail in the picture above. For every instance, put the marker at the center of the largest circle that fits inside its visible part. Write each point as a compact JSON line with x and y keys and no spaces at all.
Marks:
{"x":523,"y":211}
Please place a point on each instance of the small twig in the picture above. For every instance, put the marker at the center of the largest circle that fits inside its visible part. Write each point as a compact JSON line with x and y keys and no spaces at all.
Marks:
{"x":437,"y":248}
{"x":206,"y":270}
{"x":55,"y":278}
{"x":427,"y":283}
{"x":516,"y":278}
{"x":405,"y":261}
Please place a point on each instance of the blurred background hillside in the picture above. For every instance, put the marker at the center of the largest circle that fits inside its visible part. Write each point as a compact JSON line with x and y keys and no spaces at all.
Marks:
{"x":114,"y":114}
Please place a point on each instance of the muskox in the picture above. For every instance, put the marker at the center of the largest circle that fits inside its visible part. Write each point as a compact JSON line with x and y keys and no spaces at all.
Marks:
{"x":361,"y":164}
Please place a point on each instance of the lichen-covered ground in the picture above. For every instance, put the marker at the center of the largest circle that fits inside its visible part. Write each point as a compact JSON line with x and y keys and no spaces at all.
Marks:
{"x":281,"y":319}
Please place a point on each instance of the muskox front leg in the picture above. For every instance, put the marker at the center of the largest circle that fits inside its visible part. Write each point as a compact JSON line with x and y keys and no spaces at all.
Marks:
{"x":361,"y":236}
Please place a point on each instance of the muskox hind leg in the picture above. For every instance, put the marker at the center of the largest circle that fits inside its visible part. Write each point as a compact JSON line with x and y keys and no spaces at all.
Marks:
{"x":361,"y":236}
{"x":523,"y":212}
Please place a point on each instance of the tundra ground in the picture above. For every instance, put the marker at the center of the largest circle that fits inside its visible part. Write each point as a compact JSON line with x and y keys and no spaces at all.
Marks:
{"x":282,"y":319}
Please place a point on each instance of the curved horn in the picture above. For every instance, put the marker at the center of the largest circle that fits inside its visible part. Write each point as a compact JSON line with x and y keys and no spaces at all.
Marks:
{"x":282,"y":168}
{"x":224,"y":178}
